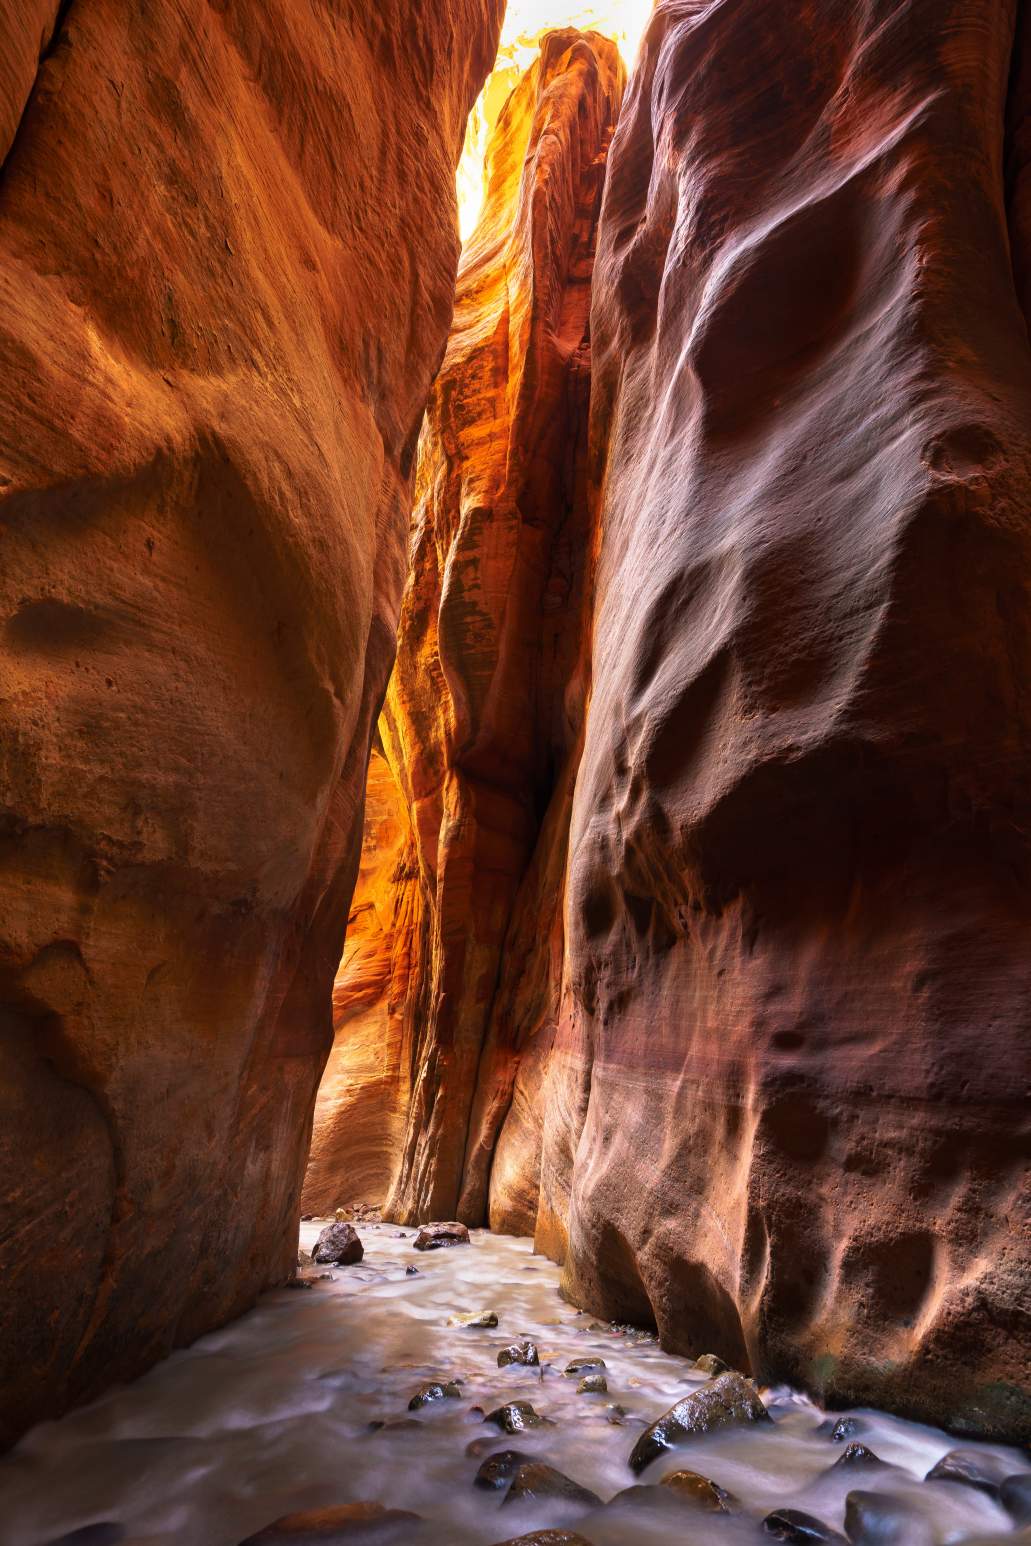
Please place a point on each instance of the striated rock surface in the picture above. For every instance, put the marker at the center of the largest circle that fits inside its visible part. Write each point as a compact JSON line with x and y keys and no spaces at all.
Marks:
{"x":724,"y":989}
{"x":486,"y":703}
{"x":788,"y":1099}
{"x":359,"y":1113}
{"x":227,"y":254}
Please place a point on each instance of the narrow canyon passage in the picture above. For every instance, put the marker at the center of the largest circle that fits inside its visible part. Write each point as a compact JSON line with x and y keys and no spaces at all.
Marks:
{"x":305,"y":1405}
{"x":515,"y":725}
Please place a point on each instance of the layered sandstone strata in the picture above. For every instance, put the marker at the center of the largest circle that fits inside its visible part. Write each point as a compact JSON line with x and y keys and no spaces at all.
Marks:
{"x":227,"y":257}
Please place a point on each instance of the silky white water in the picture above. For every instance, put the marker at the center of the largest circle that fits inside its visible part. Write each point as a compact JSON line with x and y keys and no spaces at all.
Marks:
{"x":271,"y":1415}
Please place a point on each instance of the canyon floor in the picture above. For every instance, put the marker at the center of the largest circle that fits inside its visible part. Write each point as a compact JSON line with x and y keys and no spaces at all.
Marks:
{"x":281,"y":1412}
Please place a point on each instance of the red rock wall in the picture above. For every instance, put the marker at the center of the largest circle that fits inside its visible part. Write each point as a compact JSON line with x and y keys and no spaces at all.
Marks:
{"x":748,"y":1040}
{"x":788,"y":1100}
{"x":227,"y":256}
{"x":486,"y":701}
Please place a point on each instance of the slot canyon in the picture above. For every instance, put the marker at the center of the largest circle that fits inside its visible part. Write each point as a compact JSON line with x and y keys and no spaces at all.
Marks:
{"x":515,"y":922}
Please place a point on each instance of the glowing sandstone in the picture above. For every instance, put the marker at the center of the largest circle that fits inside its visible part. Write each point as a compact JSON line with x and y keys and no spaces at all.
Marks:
{"x":227,"y":256}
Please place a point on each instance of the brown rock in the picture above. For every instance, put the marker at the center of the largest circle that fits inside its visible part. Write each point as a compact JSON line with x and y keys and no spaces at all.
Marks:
{"x":435,"y":1390}
{"x":535,"y":1482}
{"x":548,"y":1538}
{"x":436,"y":1237}
{"x":790,"y":1524}
{"x":358,"y":1522}
{"x":222,"y":313}
{"x":498,"y":1469}
{"x":515,"y":1416}
{"x":339,"y":1244}
{"x":519,"y":1353}
{"x":721,"y":1403}
{"x":809,"y":717}
{"x":700,"y":1491}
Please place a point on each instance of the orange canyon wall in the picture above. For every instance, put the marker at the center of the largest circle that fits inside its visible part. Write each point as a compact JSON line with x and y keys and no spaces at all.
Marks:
{"x":227,"y":260}
{"x":723,"y":989}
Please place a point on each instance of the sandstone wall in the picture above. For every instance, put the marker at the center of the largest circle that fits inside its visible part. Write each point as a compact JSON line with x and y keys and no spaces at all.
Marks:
{"x":788,"y":1099}
{"x":227,"y":257}
{"x":486,"y":702}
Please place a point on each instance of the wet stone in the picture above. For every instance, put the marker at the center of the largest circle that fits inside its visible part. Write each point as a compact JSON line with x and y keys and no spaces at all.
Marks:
{"x":436,"y":1237}
{"x":790,"y":1524}
{"x":585,"y":1365}
{"x":485,"y":1319}
{"x":535,"y":1482}
{"x":547,"y":1538}
{"x":700,"y":1491}
{"x":435,"y":1391}
{"x":856,"y":1455}
{"x":339,"y":1246}
{"x":515,"y":1416}
{"x":498,"y":1469}
{"x":105,"y":1533}
{"x":711,"y":1365}
{"x":878,"y":1519}
{"x":1015,"y":1497}
{"x":350,"y":1522}
{"x":615,"y":1414}
{"x":519,"y":1353}
{"x":723,"y":1402}
{"x":592,"y":1384}
{"x":970,"y":1469}
{"x":844,"y":1429}
{"x":411,"y":1272}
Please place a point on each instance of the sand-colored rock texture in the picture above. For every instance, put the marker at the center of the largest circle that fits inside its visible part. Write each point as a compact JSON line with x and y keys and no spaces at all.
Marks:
{"x":750,"y":1051}
{"x":227,"y":260}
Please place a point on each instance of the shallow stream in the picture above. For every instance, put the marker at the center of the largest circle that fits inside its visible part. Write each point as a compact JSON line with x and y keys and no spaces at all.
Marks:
{"x":272,"y":1415}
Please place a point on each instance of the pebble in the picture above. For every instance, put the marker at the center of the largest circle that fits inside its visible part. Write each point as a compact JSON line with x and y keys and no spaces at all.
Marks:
{"x":584,"y":1365}
{"x":519,"y":1353}
{"x":482,"y":1318}
{"x":592,"y":1384}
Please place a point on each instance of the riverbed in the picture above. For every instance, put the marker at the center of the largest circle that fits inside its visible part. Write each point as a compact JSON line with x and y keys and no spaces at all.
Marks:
{"x":291,"y":1408}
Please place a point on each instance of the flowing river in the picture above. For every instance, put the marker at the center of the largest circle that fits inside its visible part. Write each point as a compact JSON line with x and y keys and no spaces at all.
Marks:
{"x":303,"y":1404}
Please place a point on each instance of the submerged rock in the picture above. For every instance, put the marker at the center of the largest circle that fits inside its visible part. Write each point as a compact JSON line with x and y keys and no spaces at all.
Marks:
{"x":711,"y":1365}
{"x":970,"y":1468}
{"x":514,"y":1416}
{"x":435,"y":1391}
{"x":878,"y":1519}
{"x":106,"y":1532}
{"x":1015,"y":1497}
{"x":700,"y":1490}
{"x":536,"y":1482}
{"x":844,"y":1428}
{"x":790,"y":1524}
{"x":723,"y":1402}
{"x":436,"y":1237}
{"x":856,"y":1454}
{"x":350,"y":1522}
{"x":498,"y":1469}
{"x":548,"y":1538}
{"x":519,"y":1352}
{"x":592,"y":1384}
{"x":584,"y":1365}
{"x":482,"y":1318}
{"x":339,"y":1245}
